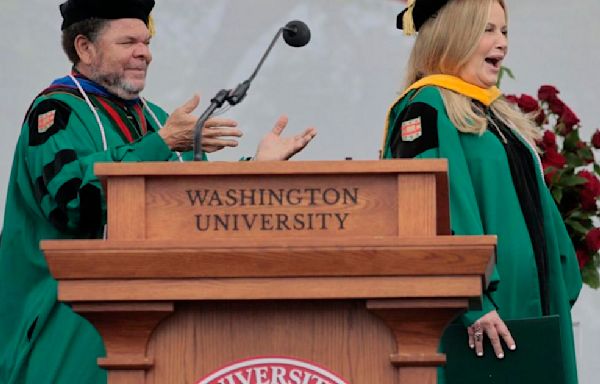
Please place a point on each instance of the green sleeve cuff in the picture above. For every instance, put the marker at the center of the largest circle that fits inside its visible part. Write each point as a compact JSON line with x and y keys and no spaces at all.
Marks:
{"x":472,"y":316}
{"x":152,"y":147}
{"x":487,"y":304}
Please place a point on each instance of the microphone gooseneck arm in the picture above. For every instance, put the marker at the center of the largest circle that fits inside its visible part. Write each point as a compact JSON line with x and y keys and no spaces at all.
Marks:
{"x":267,"y":52}
{"x":215,"y":102}
{"x":296,"y":34}
{"x":232,"y":96}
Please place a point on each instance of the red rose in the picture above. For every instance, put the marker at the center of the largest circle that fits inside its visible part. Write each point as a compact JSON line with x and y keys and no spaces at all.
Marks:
{"x":547,"y":93}
{"x":549,"y":173}
{"x":528,"y":104}
{"x":556,"y":106}
{"x":512,"y":99}
{"x":588,"y":202}
{"x":552,"y":158}
{"x":596,"y":139}
{"x":549,"y":140}
{"x":552,"y":162}
{"x":569,"y":119}
{"x":541,"y":118}
{"x":592,"y":181}
{"x":592,"y":240}
{"x":582,"y":258}
{"x":590,"y":192}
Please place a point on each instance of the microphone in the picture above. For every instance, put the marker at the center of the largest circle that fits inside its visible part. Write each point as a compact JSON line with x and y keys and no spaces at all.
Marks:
{"x":295,"y":34}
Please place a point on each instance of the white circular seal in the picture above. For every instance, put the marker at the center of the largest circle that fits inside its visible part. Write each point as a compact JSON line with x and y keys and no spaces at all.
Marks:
{"x":272,"y":370}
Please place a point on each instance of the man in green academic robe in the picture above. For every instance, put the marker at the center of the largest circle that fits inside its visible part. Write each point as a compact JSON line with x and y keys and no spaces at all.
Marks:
{"x":95,"y":114}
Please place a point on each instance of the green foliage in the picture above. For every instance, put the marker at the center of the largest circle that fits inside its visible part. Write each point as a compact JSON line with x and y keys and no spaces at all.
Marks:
{"x":504,"y":71}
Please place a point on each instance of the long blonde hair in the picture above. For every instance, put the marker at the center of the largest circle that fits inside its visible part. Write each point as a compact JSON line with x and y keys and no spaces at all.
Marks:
{"x":444,"y":45}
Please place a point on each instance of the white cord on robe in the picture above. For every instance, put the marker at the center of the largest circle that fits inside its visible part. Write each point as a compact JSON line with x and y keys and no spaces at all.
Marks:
{"x":102,"y":132}
{"x":91,"y":106}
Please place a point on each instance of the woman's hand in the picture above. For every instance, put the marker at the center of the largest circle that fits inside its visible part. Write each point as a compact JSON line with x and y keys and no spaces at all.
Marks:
{"x":492,"y":325}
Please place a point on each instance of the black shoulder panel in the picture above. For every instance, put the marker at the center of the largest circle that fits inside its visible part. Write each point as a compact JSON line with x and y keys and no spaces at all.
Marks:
{"x":46,"y":119}
{"x":415,"y":131}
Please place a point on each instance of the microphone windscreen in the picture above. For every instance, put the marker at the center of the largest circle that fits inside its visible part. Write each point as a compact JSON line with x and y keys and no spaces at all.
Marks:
{"x":296,"y":33}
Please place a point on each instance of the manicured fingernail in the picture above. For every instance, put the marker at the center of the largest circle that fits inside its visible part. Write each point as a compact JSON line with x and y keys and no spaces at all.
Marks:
{"x":513,"y":347}
{"x":501,"y":355}
{"x":471,"y":346}
{"x":479,"y":354}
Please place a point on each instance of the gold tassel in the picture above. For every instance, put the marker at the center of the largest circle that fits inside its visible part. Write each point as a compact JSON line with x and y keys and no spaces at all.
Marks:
{"x":151,"y":26}
{"x":408,"y":23}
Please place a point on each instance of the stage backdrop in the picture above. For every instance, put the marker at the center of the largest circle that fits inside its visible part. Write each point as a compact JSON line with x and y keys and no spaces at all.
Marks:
{"x":342,"y":82}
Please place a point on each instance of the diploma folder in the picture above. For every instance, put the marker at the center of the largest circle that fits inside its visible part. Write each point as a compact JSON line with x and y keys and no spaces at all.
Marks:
{"x":537,"y":359}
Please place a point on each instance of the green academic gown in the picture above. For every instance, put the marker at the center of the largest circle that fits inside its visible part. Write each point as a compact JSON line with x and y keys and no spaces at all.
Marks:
{"x":483,"y":201}
{"x":54,"y":194}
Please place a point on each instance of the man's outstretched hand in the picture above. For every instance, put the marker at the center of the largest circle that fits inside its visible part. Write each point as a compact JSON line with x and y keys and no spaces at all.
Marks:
{"x":217,"y":133}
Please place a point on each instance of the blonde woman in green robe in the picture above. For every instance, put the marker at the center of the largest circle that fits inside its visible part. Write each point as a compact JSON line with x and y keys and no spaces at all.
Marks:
{"x":452,"y":109}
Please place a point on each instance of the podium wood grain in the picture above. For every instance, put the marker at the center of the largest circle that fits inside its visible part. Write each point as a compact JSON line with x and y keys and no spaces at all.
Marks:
{"x":345,"y":264}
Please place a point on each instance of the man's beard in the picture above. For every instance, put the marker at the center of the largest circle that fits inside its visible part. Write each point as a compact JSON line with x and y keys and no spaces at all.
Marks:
{"x":116,"y":84}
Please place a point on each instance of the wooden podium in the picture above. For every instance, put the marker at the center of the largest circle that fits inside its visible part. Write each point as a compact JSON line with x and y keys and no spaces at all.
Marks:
{"x":348,"y":265}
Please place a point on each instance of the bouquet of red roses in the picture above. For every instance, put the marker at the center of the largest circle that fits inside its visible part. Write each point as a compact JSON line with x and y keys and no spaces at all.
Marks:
{"x":571,"y":173}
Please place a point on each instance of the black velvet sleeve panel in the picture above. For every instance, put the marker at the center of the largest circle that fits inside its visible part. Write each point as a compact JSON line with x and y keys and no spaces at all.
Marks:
{"x":46,"y":119}
{"x":407,"y":147}
{"x":523,"y":171}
